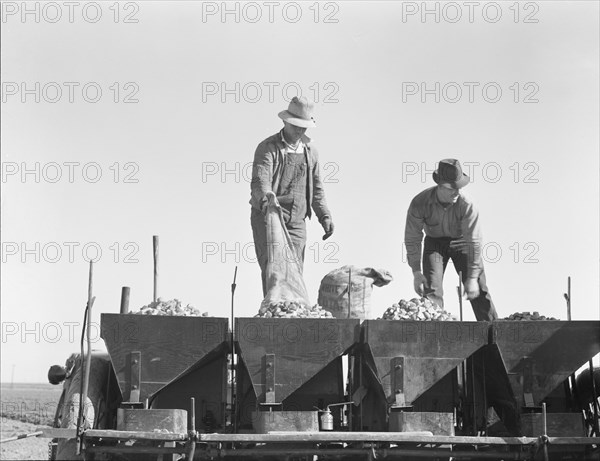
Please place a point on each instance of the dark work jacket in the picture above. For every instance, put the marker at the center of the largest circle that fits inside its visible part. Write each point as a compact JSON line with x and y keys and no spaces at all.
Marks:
{"x":268,"y":167}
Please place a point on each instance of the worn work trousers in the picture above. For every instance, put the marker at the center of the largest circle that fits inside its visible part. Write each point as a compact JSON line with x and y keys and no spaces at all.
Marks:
{"x":297,"y":231}
{"x":436,"y":254}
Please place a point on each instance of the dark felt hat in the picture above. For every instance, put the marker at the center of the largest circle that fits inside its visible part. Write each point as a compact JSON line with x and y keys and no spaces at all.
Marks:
{"x":450,"y":172}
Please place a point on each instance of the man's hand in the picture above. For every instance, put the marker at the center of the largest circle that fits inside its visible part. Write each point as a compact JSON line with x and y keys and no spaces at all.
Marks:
{"x":263,"y":205}
{"x":472,"y":288}
{"x":419,"y":282}
{"x":327,"y":224}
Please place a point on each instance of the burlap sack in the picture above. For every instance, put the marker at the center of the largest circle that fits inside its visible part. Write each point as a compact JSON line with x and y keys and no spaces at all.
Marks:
{"x":334,"y":296}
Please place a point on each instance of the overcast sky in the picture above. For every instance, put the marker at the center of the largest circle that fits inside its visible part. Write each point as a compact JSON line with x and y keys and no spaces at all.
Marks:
{"x":124,"y":121}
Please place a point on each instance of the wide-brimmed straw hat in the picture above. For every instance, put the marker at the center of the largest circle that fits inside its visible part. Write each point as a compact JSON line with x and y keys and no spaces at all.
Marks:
{"x":450,"y":172}
{"x":299,"y":113}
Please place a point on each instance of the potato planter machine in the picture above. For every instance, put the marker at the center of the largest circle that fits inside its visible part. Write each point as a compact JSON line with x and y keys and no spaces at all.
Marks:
{"x":342,"y":389}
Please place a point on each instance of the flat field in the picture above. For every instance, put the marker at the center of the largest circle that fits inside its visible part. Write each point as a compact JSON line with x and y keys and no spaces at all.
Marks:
{"x":29,"y":403}
{"x":24,"y":409}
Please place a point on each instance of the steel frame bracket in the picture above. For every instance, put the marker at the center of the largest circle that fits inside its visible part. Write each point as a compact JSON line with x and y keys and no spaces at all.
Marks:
{"x":397,"y":378}
{"x":135,"y":373}
{"x":270,"y":379}
{"x":527,"y":374}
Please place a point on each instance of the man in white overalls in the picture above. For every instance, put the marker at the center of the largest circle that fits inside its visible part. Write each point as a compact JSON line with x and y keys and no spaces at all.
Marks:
{"x":287,"y":164}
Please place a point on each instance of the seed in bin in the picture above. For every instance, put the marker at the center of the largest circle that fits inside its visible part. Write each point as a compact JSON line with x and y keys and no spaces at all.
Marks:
{"x":417,"y":309}
{"x":293,"y":309}
{"x":528,"y":316}
{"x":172,"y":307}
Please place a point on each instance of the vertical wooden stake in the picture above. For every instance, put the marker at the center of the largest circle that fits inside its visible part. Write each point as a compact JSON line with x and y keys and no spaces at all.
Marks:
{"x":349,"y":290}
{"x":569,"y":295}
{"x":155,"y":247}
{"x":125,"y":300}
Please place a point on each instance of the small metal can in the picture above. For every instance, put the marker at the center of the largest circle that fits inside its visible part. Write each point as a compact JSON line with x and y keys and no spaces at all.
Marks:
{"x":327,"y":420}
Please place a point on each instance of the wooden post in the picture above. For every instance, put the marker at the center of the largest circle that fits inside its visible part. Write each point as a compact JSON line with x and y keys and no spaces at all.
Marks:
{"x":155,"y":248}
{"x":125,"y":300}
{"x":569,"y":295}
{"x":349,"y":290}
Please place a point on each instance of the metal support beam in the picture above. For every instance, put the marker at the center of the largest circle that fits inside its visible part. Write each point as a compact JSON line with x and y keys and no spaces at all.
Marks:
{"x":527,"y":375}
{"x":135,"y":367}
{"x":270,"y":378}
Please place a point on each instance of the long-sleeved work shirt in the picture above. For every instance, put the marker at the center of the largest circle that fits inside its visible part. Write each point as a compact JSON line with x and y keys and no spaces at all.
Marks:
{"x":459,"y":220}
{"x":271,"y":172}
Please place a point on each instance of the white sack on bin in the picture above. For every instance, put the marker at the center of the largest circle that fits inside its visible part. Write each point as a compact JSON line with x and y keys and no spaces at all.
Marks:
{"x":333,"y":291}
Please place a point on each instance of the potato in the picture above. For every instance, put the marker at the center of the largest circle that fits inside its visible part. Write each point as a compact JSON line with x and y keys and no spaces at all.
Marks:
{"x":528,"y":316}
{"x":416,"y":309}
{"x":172,"y":307}
{"x":292,"y":309}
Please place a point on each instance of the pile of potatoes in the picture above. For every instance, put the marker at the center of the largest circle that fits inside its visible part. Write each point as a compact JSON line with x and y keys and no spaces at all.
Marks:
{"x":293,"y":309}
{"x":528,"y":316}
{"x":416,"y":309}
{"x":172,"y":307}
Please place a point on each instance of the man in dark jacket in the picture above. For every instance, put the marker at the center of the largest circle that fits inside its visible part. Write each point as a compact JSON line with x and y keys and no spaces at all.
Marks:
{"x":287,"y":164}
{"x":452,"y":231}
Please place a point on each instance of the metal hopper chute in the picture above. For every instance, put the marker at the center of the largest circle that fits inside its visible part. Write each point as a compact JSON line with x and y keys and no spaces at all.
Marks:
{"x":540,"y":355}
{"x":148,"y":352}
{"x":291,"y":363}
